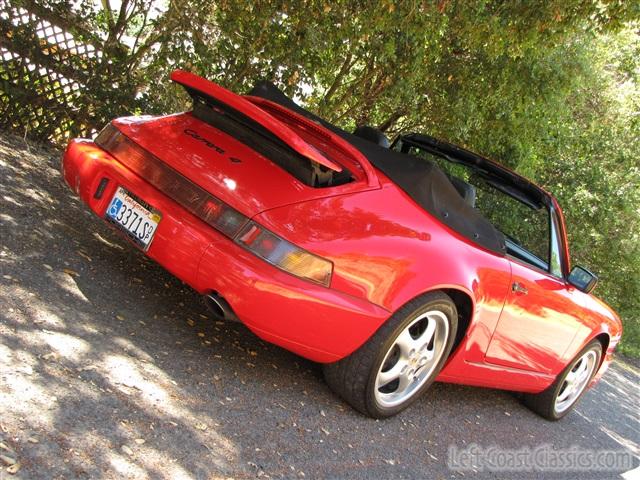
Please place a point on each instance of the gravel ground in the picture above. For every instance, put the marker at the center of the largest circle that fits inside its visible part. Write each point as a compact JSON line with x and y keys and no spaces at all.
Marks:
{"x":110,"y":368}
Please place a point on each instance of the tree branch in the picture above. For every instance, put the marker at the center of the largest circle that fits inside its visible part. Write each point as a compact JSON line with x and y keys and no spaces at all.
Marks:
{"x":337,"y":82}
{"x":393,"y":118}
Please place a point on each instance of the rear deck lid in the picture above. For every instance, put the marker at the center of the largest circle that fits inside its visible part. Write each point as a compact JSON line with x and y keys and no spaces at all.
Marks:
{"x":201,"y":89}
{"x":252,"y":156}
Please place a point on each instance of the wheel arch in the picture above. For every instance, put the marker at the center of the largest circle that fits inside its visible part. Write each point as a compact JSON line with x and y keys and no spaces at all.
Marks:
{"x":465,"y":307}
{"x":604,"y":338}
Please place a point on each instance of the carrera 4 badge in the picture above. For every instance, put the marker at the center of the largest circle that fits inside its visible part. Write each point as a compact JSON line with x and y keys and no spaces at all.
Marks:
{"x":195,"y":135}
{"x":200,"y":138}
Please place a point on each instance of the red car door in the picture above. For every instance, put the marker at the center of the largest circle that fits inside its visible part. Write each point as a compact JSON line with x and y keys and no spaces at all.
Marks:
{"x":538,"y":321}
{"x":541,"y":315}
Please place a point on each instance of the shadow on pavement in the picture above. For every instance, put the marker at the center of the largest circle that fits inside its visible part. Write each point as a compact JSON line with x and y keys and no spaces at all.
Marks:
{"x":110,"y":367}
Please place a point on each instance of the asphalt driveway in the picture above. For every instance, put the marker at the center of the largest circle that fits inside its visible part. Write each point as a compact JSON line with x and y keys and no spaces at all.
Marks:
{"x":111,"y":368}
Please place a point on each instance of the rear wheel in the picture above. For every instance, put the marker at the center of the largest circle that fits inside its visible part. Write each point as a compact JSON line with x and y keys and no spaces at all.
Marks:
{"x":558,"y":399}
{"x":399,"y":362}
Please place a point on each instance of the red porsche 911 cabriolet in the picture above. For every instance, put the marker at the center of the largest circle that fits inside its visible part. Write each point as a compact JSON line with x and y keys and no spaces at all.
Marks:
{"x":392,"y":265}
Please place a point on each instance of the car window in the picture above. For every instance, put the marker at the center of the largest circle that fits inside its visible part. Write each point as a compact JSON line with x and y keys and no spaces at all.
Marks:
{"x":523,"y":225}
{"x":526,"y":225}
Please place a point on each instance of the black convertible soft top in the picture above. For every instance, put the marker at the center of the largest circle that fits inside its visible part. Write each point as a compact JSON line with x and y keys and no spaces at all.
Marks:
{"x":422,"y":180}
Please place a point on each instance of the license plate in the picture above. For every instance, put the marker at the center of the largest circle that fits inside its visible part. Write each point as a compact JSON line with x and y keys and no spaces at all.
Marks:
{"x":135,"y":217}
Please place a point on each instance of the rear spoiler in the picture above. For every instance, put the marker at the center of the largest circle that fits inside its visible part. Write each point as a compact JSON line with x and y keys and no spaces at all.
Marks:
{"x":208,"y":89}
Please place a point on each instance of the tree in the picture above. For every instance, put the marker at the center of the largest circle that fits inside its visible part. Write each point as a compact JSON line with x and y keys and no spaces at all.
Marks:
{"x":549,"y":88}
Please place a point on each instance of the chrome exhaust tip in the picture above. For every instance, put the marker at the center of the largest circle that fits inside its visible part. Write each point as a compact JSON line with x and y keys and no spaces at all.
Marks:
{"x":220,"y":308}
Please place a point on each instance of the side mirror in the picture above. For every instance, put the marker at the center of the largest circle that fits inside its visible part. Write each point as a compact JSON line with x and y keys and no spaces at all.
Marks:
{"x":582,"y":279}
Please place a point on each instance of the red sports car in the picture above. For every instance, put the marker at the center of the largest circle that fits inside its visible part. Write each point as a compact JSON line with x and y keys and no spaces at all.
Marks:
{"x":393,"y":265}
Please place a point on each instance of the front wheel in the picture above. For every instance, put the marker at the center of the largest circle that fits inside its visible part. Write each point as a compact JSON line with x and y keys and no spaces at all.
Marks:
{"x":400,"y":361}
{"x":558,"y":399}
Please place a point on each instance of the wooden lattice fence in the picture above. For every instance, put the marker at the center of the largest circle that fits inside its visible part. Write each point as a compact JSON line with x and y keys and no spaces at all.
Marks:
{"x":52,"y":73}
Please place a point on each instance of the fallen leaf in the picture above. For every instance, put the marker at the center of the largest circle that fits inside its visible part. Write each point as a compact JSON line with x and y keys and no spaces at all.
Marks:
{"x":200,"y":334}
{"x":190,"y":322}
{"x":84,"y":255}
{"x":88,"y":367}
{"x":7,"y":460}
{"x":68,"y":271}
{"x":139,"y":441}
{"x":13,"y":468}
{"x":322,"y":413}
{"x":120,"y":317}
{"x":324,"y":430}
{"x":201,"y":426}
{"x":390,"y":462}
{"x":126,"y":449}
{"x":33,"y":440}
{"x":26,"y":369}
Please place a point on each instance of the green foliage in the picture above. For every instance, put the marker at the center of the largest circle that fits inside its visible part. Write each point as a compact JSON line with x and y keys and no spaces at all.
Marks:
{"x":549,"y":88}
{"x":594,"y":169}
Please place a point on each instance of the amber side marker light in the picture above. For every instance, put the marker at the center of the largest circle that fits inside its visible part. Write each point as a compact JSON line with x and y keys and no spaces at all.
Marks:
{"x":213,"y":211}
{"x":285,"y":255}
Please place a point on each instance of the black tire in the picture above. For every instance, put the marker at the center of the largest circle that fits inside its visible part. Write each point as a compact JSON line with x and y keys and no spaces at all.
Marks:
{"x":544,"y":403}
{"x":354,"y":377}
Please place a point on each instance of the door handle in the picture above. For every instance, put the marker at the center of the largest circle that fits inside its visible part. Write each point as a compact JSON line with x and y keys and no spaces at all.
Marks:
{"x":517,"y":287}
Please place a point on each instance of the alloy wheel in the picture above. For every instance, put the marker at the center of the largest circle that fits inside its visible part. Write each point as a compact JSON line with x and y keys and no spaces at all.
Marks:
{"x":576,"y":381}
{"x":412,"y":358}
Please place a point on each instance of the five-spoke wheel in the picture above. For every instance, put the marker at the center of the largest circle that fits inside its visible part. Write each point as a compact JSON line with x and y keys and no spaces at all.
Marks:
{"x":401,"y":360}
{"x":412,"y":358}
{"x":556,"y":401}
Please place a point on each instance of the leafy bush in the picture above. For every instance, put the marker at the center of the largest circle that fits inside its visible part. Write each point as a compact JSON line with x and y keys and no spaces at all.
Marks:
{"x":549,"y":88}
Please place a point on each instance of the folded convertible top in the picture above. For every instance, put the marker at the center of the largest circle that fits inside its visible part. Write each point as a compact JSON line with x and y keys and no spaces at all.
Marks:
{"x":422,"y":180}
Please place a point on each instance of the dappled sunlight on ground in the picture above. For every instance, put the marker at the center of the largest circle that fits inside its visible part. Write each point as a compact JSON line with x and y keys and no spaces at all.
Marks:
{"x":111,"y":368}
{"x":64,"y":371}
{"x":71,"y":376}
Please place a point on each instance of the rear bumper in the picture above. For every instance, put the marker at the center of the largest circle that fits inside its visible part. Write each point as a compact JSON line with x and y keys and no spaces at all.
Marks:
{"x":313,"y":321}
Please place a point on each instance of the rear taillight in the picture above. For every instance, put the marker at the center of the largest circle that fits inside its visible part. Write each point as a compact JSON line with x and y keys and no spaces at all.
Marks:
{"x":198,"y":201}
{"x":284,"y":254}
{"x":215,"y":212}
